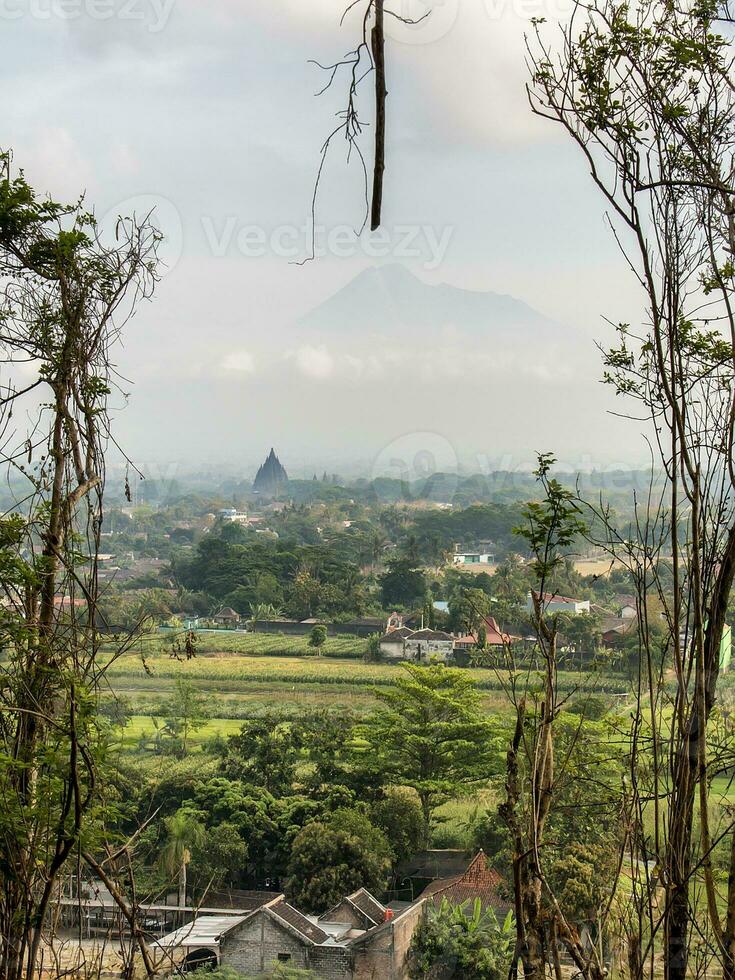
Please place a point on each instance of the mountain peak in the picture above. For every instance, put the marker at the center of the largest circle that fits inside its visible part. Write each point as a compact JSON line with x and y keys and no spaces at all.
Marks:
{"x":391,"y":299}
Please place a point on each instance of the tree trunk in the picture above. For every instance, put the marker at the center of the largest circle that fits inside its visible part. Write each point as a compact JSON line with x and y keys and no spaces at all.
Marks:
{"x":378,"y":51}
{"x":182,"y":884}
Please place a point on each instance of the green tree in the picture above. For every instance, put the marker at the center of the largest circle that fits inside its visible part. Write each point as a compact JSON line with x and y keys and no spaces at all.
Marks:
{"x":398,"y":814}
{"x":456,"y":942}
{"x":468,"y":610}
{"x":183,"y":831}
{"x":265,"y":752}
{"x":318,"y":637}
{"x":432,"y":735}
{"x":372,"y":648}
{"x":64,"y":296}
{"x":402,"y":584}
{"x":218,"y":856}
{"x":331,"y":860}
{"x":186,"y":711}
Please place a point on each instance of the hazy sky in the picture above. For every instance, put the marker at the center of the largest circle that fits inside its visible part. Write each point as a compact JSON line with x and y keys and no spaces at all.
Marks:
{"x":207,"y":110}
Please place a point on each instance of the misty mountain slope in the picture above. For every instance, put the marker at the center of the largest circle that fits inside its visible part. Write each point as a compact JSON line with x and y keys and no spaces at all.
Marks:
{"x":391,"y":300}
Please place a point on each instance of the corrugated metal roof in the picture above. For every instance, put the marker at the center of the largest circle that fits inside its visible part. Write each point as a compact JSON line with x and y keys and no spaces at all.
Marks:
{"x":203,"y":931}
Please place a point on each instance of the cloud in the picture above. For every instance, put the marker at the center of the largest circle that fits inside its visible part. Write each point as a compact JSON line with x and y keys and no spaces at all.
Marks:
{"x":55,"y":163}
{"x":241,"y":361}
{"x":315,"y":362}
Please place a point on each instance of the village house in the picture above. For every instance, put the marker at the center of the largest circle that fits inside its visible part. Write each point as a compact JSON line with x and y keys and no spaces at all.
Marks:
{"x":553,"y":603}
{"x":357,"y":939}
{"x":427,"y":644}
{"x":627,"y":606}
{"x":393,"y":643}
{"x":480,"y":555}
{"x":478,"y":881}
{"x":227,"y":617}
{"x":420,"y":646}
{"x":344,"y":944}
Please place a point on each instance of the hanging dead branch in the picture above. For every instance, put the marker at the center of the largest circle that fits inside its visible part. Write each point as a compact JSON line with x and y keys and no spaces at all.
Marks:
{"x":365,"y":59}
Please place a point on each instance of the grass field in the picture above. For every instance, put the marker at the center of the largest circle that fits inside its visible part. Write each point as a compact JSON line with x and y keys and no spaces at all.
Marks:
{"x":246,"y":686}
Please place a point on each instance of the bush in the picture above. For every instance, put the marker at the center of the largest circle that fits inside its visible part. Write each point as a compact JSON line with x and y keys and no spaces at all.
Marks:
{"x":453,"y":942}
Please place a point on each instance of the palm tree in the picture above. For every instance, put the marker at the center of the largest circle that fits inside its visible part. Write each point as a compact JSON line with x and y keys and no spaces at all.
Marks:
{"x":183,"y":832}
{"x":260,"y":611}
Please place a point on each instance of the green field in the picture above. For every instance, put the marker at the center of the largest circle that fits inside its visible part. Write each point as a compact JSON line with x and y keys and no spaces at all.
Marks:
{"x":247,"y":684}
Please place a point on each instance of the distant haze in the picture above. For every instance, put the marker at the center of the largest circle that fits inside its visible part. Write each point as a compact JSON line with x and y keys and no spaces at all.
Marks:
{"x":464,"y":332}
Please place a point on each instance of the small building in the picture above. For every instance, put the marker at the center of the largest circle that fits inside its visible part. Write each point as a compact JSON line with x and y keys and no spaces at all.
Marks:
{"x":427,"y":644}
{"x":478,"y":881}
{"x":627,"y":606}
{"x":227,"y":617}
{"x":393,"y":643}
{"x":344,"y":944}
{"x":553,"y":603}
{"x":473,"y":558}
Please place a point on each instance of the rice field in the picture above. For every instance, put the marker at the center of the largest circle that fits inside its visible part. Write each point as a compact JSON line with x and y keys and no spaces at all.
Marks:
{"x":321,"y":671}
{"x":253,"y":644}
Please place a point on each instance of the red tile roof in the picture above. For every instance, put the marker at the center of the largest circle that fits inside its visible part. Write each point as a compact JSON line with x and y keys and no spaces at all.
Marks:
{"x":478,"y":881}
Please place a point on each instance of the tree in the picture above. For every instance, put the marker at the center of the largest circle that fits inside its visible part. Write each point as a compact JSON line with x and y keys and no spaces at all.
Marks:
{"x":469,"y":610}
{"x":456,"y":942}
{"x":402,"y":584}
{"x":183,"y":832}
{"x":398,"y":814}
{"x":646,"y":95}
{"x":331,"y":860}
{"x":218,"y":856}
{"x":187,"y":711}
{"x":372,"y":648}
{"x":265,"y":752}
{"x":318,"y":637}
{"x":64,"y":296}
{"x":432,"y":735}
{"x":535,"y":764}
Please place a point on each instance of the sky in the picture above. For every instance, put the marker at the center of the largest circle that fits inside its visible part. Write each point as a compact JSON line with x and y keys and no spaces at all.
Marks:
{"x":206,"y":111}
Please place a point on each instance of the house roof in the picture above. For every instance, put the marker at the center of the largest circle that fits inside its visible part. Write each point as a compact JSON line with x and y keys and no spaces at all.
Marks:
{"x":626,"y":600}
{"x":206,"y":930}
{"x":553,"y":597}
{"x":396,"y":636}
{"x":369,"y":906}
{"x":427,"y":634}
{"x":229,"y":612}
{"x":298,"y":922}
{"x":478,"y":881}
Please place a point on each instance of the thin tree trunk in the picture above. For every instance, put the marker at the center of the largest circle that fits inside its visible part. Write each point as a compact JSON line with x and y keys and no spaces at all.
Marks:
{"x":378,"y":50}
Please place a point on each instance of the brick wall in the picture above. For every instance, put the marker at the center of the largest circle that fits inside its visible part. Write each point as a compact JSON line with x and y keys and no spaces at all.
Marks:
{"x":382,"y":955}
{"x":331,"y":962}
{"x":255,"y":945}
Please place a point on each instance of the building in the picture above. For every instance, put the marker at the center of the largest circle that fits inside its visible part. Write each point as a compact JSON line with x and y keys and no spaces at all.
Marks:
{"x":227,"y":617}
{"x":346,"y":943}
{"x":480,"y":555}
{"x":478,"y":881}
{"x":627,"y":606}
{"x":553,"y":603}
{"x":420,"y":646}
{"x":393,"y":643}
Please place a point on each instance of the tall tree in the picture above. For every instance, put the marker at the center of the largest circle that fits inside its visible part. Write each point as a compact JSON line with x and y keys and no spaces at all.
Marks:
{"x":432,"y":735}
{"x":64,"y":295}
{"x":184,"y":832}
{"x":646,"y":94}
